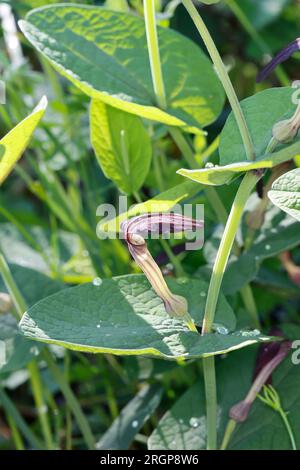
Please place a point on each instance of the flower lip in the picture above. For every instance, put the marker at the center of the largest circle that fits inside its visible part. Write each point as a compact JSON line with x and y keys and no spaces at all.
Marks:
{"x":282,"y":56}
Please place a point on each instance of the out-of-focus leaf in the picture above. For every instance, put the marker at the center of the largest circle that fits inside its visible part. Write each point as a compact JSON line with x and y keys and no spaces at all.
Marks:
{"x":14,"y":143}
{"x":131,"y":419}
{"x":262,"y":12}
{"x":122,"y":146}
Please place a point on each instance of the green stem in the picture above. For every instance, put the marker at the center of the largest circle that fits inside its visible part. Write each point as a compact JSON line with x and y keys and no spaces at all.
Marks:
{"x":32,"y":367}
{"x":34,"y":372}
{"x":211,"y":401}
{"x":17,"y":438}
{"x":154,"y":56}
{"x":231,"y":425}
{"x":173,"y":258}
{"x":13,"y":412}
{"x":249,"y":301}
{"x":70,"y":399}
{"x":288,"y":428}
{"x":41,"y":407}
{"x":244,"y":191}
{"x":223,"y":76}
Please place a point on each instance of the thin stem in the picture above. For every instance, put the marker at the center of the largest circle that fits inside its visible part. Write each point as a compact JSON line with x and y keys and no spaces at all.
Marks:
{"x":211,"y":401}
{"x":36,"y":384}
{"x":231,"y":425}
{"x":244,"y":191}
{"x":70,"y":399}
{"x":249,"y":301}
{"x":41,"y":407}
{"x":288,"y":428}
{"x":173,"y":258}
{"x":223,"y":76}
{"x":34,"y":372}
{"x":17,"y":438}
{"x":13,"y":412}
{"x":154,"y":56}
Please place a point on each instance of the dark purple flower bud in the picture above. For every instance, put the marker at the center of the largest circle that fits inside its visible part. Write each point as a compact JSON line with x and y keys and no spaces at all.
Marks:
{"x":134,"y":231}
{"x":278,"y":59}
{"x":240,"y":411}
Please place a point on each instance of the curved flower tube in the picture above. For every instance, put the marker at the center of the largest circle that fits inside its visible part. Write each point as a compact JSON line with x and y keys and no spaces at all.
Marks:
{"x":139,"y":227}
{"x":282,"y":56}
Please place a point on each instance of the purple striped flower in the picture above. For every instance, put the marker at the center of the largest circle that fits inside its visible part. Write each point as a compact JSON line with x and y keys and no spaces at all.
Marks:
{"x":282,"y":56}
{"x":240,"y":411}
{"x":134,"y":231}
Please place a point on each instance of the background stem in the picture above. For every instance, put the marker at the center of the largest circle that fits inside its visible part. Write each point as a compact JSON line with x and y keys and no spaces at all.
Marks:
{"x":154,"y":56}
{"x":223,"y":76}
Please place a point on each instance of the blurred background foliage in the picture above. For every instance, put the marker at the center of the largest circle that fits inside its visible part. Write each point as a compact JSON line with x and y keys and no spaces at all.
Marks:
{"x":50,"y":198}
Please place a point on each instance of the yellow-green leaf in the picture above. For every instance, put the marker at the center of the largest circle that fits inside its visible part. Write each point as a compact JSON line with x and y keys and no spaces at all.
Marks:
{"x":14,"y":143}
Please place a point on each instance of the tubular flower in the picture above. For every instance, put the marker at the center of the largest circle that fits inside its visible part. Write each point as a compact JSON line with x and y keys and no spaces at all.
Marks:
{"x":282,"y":56}
{"x":240,"y":411}
{"x":139,"y":227}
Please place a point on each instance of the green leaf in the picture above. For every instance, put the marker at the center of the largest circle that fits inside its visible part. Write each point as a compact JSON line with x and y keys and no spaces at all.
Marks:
{"x":16,"y":351}
{"x":123,"y":316}
{"x":33,"y":285}
{"x":131,"y":419}
{"x":163,"y":202}
{"x":121,"y":144}
{"x":14,"y":143}
{"x":261,"y":111}
{"x":262,"y":12}
{"x":277,"y":235}
{"x":17,"y":249}
{"x":239,"y":272}
{"x":218,"y":175}
{"x":183,"y":427}
{"x":264,"y":428}
{"x":105,"y":54}
{"x":285,"y":193}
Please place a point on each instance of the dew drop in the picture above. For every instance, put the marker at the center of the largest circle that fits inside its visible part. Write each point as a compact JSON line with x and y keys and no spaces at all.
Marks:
{"x":202,"y":294}
{"x":135,"y":423}
{"x":98,"y":326}
{"x":222,"y":330}
{"x":34,"y":351}
{"x":209,"y":165}
{"x":97,"y":281}
{"x":268,"y":247}
{"x":194,"y":422}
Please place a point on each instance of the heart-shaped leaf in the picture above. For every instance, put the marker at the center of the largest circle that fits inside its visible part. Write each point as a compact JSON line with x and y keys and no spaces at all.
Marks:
{"x":285,"y":193}
{"x":14,"y":143}
{"x":124,"y":316}
{"x":122,"y":145}
{"x":105,"y":54}
{"x":218,"y":175}
{"x":261,"y":111}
